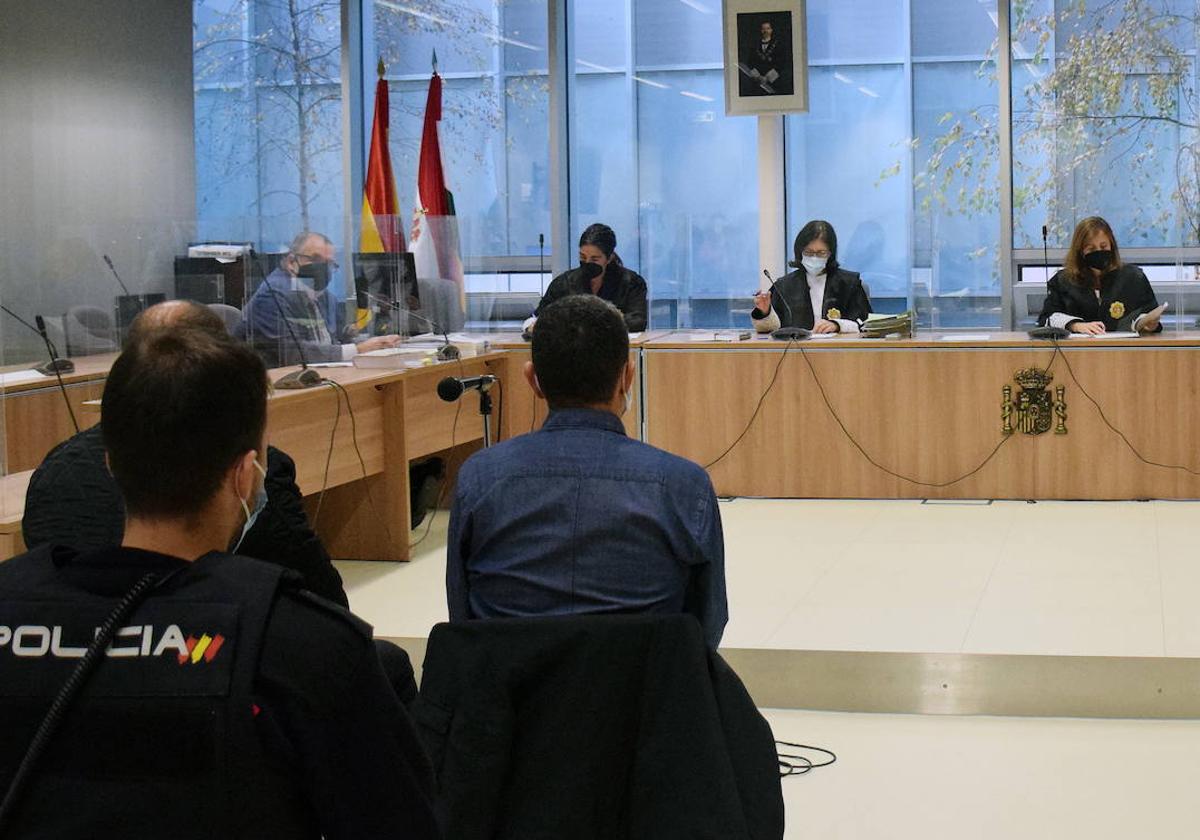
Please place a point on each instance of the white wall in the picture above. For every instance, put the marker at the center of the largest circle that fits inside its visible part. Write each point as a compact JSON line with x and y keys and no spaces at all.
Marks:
{"x":96,"y":151}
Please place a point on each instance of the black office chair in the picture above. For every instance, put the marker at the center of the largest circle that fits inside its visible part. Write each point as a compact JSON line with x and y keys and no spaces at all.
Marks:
{"x":89,"y":330}
{"x":231,"y":315}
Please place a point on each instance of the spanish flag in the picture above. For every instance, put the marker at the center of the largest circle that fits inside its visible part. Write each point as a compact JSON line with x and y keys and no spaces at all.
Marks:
{"x":382,"y":229}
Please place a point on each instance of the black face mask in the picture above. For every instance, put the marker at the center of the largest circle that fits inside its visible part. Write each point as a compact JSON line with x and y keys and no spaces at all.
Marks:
{"x":317,"y":273}
{"x":1098,"y":260}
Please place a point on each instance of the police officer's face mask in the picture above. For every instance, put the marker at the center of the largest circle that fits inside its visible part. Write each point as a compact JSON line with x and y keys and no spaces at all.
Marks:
{"x":260,"y":502}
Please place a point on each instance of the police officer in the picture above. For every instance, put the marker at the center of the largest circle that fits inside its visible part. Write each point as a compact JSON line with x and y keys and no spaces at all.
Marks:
{"x":224,"y":701}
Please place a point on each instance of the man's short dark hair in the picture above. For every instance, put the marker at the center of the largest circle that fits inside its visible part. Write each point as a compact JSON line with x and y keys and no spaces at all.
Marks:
{"x":580,"y":348}
{"x":179,"y":408}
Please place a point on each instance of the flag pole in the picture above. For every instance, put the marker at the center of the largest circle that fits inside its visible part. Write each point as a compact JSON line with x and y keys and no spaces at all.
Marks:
{"x":435,"y":62}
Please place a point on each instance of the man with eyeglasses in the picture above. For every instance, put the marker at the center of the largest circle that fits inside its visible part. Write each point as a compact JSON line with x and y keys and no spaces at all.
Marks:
{"x":296,"y":292}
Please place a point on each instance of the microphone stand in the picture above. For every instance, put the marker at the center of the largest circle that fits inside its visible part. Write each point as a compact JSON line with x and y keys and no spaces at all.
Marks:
{"x":56,"y":365}
{"x":297,"y":380}
{"x":120,"y":282}
{"x":484,"y":387}
{"x":1046,"y":251}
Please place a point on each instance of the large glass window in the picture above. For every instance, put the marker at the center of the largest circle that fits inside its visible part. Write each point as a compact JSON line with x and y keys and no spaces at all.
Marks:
{"x":493,"y":59}
{"x":1105,"y":120}
{"x":1106,"y":113}
{"x":655,"y":157}
{"x":901,"y":149}
{"x":897,"y":153}
{"x":268,"y":119}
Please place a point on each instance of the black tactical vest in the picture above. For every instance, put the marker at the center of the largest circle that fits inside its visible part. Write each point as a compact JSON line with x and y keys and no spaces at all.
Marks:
{"x":163,"y":742}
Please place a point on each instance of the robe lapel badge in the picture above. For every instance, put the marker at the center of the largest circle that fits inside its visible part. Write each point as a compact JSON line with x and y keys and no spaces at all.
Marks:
{"x":1117,"y":310}
{"x":834,"y":314}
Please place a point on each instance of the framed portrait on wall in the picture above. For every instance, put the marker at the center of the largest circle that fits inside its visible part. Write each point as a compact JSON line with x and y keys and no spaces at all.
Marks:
{"x":766,"y":57}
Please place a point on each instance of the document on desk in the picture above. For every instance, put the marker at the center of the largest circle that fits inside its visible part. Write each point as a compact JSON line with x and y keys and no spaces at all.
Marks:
{"x":1106,"y":335}
{"x":20,"y":377}
{"x":966,"y":337}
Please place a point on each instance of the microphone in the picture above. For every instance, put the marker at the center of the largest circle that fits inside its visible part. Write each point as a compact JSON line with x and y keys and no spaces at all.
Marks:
{"x":447,"y":352}
{"x":306,"y":377}
{"x":1046,"y":251}
{"x":452,"y":387}
{"x":1047,"y":331}
{"x":542,"y":261}
{"x":121,"y":282}
{"x":785,"y":333}
{"x":56,"y":365}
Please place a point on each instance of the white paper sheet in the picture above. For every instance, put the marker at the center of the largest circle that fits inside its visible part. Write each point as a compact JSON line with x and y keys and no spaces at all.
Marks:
{"x":1106,"y":335}
{"x":20,"y":377}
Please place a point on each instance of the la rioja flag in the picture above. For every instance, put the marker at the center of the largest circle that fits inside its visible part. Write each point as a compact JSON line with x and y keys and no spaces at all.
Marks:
{"x":435,"y":241}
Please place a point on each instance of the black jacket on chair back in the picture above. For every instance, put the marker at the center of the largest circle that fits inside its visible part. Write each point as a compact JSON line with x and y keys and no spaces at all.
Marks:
{"x":594,"y":727}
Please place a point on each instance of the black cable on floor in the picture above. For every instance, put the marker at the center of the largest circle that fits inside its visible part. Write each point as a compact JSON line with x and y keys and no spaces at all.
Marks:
{"x":803,"y":764}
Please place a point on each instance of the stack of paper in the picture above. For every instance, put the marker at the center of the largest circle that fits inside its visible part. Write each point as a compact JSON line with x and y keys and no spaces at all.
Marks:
{"x":468,"y":345}
{"x":880,"y":326}
{"x":395,"y":358}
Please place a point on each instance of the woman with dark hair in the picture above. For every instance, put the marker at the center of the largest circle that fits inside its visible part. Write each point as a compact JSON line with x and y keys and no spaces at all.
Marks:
{"x":1095,"y":292}
{"x":600,"y":273}
{"x":820,"y":296}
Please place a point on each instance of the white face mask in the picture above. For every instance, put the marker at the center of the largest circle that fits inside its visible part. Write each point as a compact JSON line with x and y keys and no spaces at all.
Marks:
{"x":814,"y":265}
{"x":260,"y":502}
{"x":628,"y":400}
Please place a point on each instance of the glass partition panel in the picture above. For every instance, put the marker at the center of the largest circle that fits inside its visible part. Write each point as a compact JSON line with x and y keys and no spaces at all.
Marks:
{"x":1105,"y":123}
{"x":268,"y":118}
{"x":655,"y":157}
{"x":494,"y":136}
{"x":900,"y":153}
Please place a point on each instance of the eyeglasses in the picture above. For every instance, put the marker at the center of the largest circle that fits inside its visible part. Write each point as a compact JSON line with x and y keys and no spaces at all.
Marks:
{"x":313,"y":260}
{"x":824,"y":255}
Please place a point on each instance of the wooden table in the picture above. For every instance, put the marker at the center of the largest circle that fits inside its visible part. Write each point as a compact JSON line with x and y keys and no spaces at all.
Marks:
{"x":928,"y":409}
{"x":364,"y":509}
{"x":12,"y":509}
{"x":35,"y":417}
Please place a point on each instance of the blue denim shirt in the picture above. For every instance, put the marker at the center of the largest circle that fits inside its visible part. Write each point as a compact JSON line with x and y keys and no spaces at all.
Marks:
{"x":579,"y":518}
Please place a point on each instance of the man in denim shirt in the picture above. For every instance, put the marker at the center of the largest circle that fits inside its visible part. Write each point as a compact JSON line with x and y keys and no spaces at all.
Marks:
{"x":577,"y":517}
